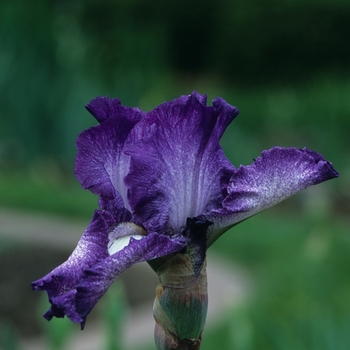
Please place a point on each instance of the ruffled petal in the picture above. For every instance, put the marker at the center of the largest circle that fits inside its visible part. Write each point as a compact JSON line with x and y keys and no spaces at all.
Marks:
{"x":62,"y":281}
{"x":178,"y":167}
{"x":76,"y":286}
{"x":96,"y":280}
{"x":276,"y":175}
{"x":101,"y":164}
{"x":103,"y":107}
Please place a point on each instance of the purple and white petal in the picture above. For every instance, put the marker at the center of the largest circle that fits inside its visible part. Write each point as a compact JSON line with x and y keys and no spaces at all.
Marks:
{"x":276,"y":175}
{"x":103,"y":252}
{"x":178,"y":167}
{"x":120,"y":236}
{"x":96,"y":280}
{"x":101,"y":164}
{"x":92,"y":247}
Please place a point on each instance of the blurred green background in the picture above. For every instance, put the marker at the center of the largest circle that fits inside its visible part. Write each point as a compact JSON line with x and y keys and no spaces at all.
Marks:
{"x":284,"y":64}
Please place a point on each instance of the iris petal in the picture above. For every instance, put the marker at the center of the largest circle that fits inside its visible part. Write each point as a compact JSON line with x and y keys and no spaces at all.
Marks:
{"x":177,"y":168}
{"x":76,"y":286}
{"x":96,"y":280}
{"x":62,"y":281}
{"x":154,"y":171}
{"x":103,"y":107}
{"x":276,"y":175}
{"x":101,"y":164}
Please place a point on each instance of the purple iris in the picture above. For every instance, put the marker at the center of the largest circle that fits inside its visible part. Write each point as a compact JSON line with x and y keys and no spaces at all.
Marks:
{"x":156,"y":174}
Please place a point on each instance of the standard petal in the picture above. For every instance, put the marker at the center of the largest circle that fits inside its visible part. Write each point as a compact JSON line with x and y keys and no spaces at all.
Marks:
{"x":103,"y":107}
{"x":62,"y":281}
{"x":101,"y":164}
{"x":96,"y":280}
{"x":276,"y":175}
{"x":178,"y":167}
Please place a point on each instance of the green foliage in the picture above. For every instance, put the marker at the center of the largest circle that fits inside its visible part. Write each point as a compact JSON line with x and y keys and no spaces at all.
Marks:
{"x":279,"y":41}
{"x":300,"y":270}
{"x":323,"y":332}
{"x":45,"y":192}
{"x":9,"y":336}
{"x":113,"y":312}
{"x":56,"y":56}
{"x":57,"y":332}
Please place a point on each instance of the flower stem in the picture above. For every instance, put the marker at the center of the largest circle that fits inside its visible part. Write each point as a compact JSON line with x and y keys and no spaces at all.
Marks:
{"x":180,"y":306}
{"x":190,"y":344}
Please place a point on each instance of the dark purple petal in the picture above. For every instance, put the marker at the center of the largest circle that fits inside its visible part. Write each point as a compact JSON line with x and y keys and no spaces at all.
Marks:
{"x":177,"y":168}
{"x":92,"y":247}
{"x":75,"y":286}
{"x":94,"y":281}
{"x":101,"y":164}
{"x":103,"y":107}
{"x":276,"y":175}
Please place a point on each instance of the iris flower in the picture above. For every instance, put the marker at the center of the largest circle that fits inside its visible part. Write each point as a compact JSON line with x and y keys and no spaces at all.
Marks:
{"x":166,"y":193}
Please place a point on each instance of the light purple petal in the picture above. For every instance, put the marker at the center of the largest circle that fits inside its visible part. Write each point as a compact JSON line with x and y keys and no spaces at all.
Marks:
{"x":276,"y":175}
{"x":92,"y":247}
{"x":101,"y":164}
{"x":178,"y":168}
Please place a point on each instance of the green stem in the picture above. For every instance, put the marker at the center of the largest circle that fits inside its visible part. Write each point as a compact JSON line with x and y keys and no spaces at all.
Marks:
{"x":180,"y":306}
